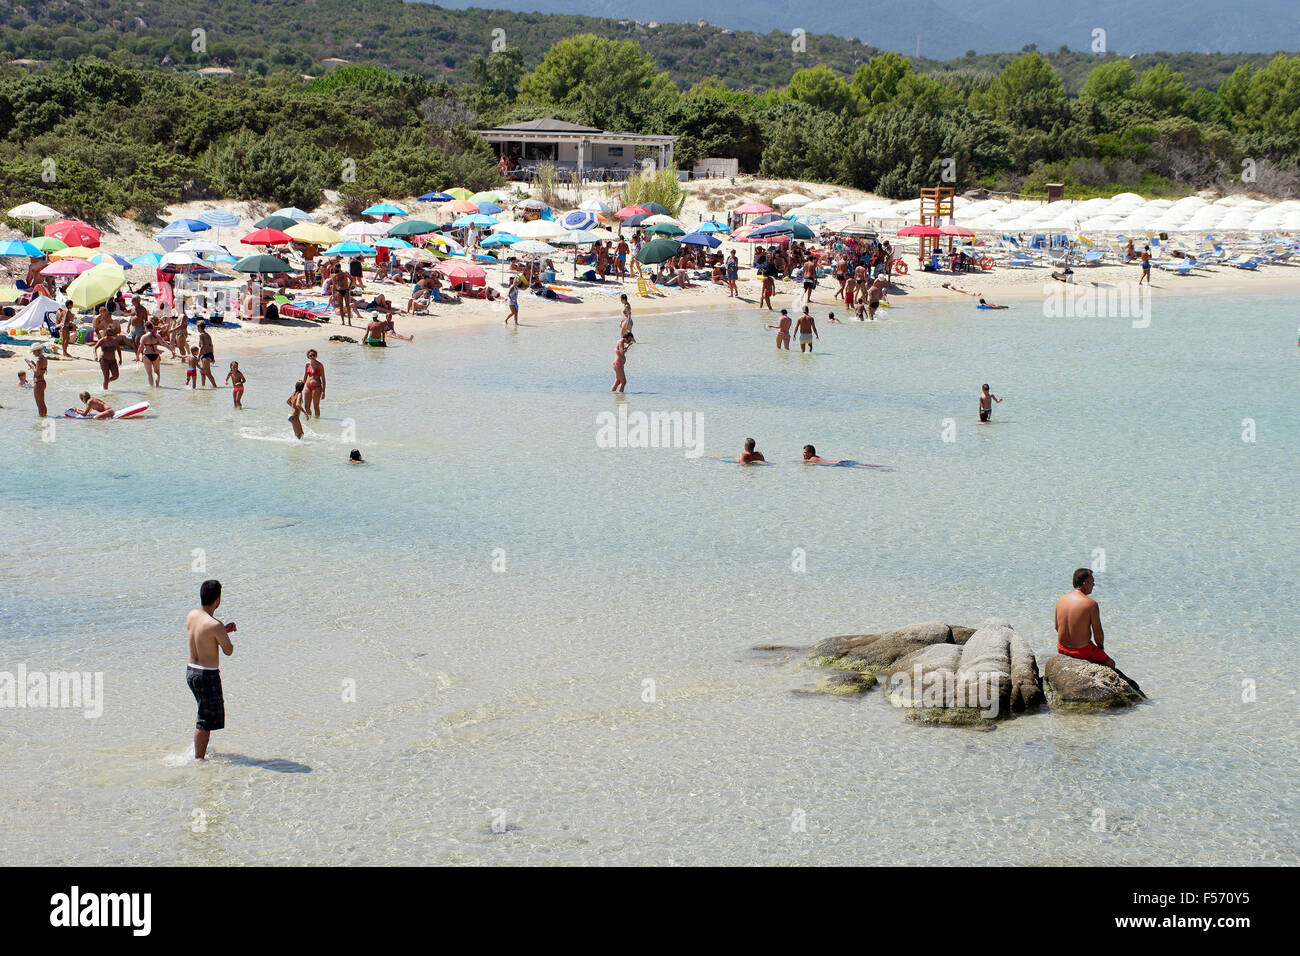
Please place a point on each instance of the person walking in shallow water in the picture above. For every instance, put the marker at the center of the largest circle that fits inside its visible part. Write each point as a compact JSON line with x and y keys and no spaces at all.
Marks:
{"x":620,"y":361}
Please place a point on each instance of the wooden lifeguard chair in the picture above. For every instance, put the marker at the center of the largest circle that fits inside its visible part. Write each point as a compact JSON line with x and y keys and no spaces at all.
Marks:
{"x":936,"y":206}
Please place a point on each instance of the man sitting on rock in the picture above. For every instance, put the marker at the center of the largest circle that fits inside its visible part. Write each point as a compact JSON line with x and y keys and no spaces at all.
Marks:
{"x":1078,"y":621}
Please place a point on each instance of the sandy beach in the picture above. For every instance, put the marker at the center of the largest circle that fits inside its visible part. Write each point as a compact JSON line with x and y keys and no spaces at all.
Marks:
{"x":1022,"y":287}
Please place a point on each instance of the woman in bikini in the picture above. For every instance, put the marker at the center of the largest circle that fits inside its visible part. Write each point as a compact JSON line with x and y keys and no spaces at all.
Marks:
{"x":620,"y":360}
{"x":313,"y":378}
{"x":294,"y":401}
{"x":151,"y":355}
{"x":95,"y":408}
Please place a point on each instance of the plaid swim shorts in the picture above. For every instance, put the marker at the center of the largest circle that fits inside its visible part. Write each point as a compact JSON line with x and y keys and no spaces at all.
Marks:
{"x":206,"y":687}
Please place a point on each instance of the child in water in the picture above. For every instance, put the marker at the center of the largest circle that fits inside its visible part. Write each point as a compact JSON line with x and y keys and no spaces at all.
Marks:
{"x":192,"y":367}
{"x":236,"y":379}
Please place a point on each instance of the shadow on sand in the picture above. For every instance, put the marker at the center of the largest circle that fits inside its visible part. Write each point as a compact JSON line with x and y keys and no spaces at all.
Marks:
{"x":276,"y":764}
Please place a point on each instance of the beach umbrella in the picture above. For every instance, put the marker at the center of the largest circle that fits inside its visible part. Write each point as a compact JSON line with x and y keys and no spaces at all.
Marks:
{"x":490,"y":208}
{"x":391,"y":242}
{"x":111,"y":260}
{"x":791,"y":199}
{"x":201,"y":247}
{"x":656,"y":209}
{"x":596,"y":206}
{"x":384,"y":209}
{"x":537,"y":229}
{"x":364,"y":230}
{"x":275,"y":222}
{"x":150,"y":260}
{"x":13,"y":248}
{"x":294,"y":213}
{"x":182,"y":260}
{"x":267,"y":237}
{"x":655,"y":218}
{"x":412,"y":227}
{"x":435,"y":197}
{"x":261,"y":263}
{"x":474,"y":219}
{"x":224,"y":257}
{"x":47,"y":243}
{"x":219,"y":218}
{"x":486,"y":195}
{"x":34,"y":211}
{"x":185,"y":225}
{"x":581,"y":237}
{"x":665,"y":229}
{"x":920,"y":230}
{"x":637,"y":219}
{"x":765,"y":218}
{"x":97,"y":284}
{"x":73,"y":252}
{"x":73,"y":232}
{"x":533,"y":247}
{"x":461,"y":271}
{"x":627,"y":212}
{"x":955,"y":230}
{"x":752,"y":208}
{"x":68,"y":267}
{"x":463,"y":205}
{"x":578,"y":219}
{"x":458,"y":192}
{"x":786,"y":227}
{"x":532,"y":204}
{"x":350,"y":249}
{"x":658,"y":250}
{"x":700,"y":239}
{"x":499,"y":239}
{"x":859,"y":232}
{"x":315,"y":234}
{"x":446,"y":244}
{"x":710,"y":226}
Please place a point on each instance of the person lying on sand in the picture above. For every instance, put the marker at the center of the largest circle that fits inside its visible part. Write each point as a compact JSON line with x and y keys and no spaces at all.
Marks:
{"x":952,"y":288}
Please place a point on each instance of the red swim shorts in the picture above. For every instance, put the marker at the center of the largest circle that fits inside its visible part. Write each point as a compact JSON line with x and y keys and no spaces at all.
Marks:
{"x":1089,"y":652}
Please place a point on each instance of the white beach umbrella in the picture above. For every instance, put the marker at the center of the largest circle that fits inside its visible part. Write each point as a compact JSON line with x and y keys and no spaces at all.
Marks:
{"x":535,"y":204}
{"x":593,"y":205}
{"x":202,"y":246}
{"x":831,"y":202}
{"x":366,"y":230}
{"x":866,"y":206}
{"x":33,"y":210}
{"x":181,"y":259}
{"x":533,"y":247}
{"x":791,"y":199}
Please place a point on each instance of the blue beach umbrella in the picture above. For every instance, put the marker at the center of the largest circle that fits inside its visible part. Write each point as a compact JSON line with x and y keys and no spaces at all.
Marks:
{"x":350,"y":249}
{"x":150,"y":260}
{"x":490,"y":208}
{"x":578,"y":219}
{"x":710,"y":226}
{"x":391,"y":242}
{"x":767,"y":217}
{"x":699,"y":239}
{"x":219,"y":218}
{"x":16,"y":247}
{"x":435,"y":197}
{"x":474,"y":219}
{"x":499,"y":239}
{"x":637,"y":219}
{"x":222,"y":257}
{"x":185,"y":225}
{"x":103,"y":258}
{"x":384,"y":209}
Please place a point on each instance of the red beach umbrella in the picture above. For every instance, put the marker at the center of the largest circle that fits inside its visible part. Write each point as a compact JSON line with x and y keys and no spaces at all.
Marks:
{"x":74,"y":232}
{"x":267,"y":237}
{"x":752,"y":209}
{"x":920,"y":230}
{"x":627,"y":212}
{"x":462,"y":272}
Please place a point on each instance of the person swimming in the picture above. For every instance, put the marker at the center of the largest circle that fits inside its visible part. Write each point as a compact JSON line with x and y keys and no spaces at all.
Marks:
{"x":989,"y":305}
{"x":354,"y":458}
{"x":751,"y":453}
{"x":811,"y":457}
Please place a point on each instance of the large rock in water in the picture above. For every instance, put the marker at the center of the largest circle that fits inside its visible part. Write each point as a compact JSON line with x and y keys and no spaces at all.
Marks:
{"x":875,"y":653}
{"x":1082,"y":685}
{"x":992,"y":675}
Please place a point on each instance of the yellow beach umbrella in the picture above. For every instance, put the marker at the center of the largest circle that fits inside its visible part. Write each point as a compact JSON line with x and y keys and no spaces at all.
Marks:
{"x":460,"y":192}
{"x":316,"y":234}
{"x":96,"y":285}
{"x":75,"y":252}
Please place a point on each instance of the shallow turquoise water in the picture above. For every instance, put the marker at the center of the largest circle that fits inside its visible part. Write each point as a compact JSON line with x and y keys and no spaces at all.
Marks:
{"x":520,"y":692}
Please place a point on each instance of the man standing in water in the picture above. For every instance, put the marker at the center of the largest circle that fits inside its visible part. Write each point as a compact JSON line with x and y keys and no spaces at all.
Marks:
{"x":806,"y":328}
{"x":207,"y":638}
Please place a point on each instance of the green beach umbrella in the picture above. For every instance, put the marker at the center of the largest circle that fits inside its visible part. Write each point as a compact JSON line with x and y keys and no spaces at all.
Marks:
{"x":666,"y":229}
{"x":658,"y":250}
{"x":97,"y":284}
{"x":412,"y":227}
{"x":460,"y":192}
{"x":47,"y":243}
{"x":275,"y":222}
{"x":261,"y":263}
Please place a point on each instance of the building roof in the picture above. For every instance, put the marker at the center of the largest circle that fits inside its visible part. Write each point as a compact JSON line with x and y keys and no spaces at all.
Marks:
{"x":549,"y":126}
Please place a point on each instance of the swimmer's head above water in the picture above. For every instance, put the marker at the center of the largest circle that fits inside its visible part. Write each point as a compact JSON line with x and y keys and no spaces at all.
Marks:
{"x":355,"y":456}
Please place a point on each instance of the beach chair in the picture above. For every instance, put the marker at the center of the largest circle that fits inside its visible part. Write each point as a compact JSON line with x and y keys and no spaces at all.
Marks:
{"x":1019,"y":260}
{"x":1093,"y":257}
{"x":1243,"y":262}
{"x":643,"y":288}
{"x":1183,"y":268}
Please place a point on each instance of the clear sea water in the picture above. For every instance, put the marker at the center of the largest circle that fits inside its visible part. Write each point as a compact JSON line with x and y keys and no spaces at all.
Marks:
{"x":596,"y":696}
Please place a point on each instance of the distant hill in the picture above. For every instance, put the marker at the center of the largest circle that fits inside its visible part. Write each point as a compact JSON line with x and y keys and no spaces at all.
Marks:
{"x":303,"y":36}
{"x":948,"y":28}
